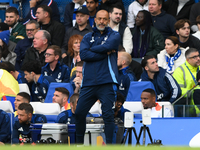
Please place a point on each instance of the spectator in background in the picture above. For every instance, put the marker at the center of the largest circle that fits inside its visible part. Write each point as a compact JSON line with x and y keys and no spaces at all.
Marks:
{"x":148,"y":99}
{"x":69,"y":15}
{"x":194,"y":12}
{"x":182,"y":28}
{"x":59,"y":71}
{"x":116,"y":24}
{"x":36,"y":52}
{"x":5,"y":133}
{"x":61,"y":96}
{"x":180,"y":9}
{"x":73,"y":53}
{"x":162,"y":21}
{"x":133,"y":10}
{"x":18,"y":75}
{"x":106,"y":5}
{"x":167,"y":89}
{"x":5,"y":54}
{"x":68,"y":116}
{"x":40,"y":83}
{"x":147,"y":40}
{"x":125,"y":75}
{"x":77,"y":79}
{"x":186,"y":74}
{"x":92,"y":6}
{"x":55,"y":28}
{"x":197,"y":33}
{"x":172,"y":56}
{"x":11,"y":44}
{"x":31,"y":28}
{"x":34,"y":4}
{"x":82,"y":27}
{"x":17,"y":30}
{"x":134,"y":65}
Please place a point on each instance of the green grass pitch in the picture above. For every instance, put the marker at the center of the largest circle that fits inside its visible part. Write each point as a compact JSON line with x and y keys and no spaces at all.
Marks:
{"x":72,"y":147}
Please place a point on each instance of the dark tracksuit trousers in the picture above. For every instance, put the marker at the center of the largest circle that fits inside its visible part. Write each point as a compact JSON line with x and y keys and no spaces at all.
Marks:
{"x":106,"y":93}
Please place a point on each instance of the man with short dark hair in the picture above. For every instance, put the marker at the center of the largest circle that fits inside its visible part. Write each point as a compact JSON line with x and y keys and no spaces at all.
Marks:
{"x":92,"y":6}
{"x":22,"y":97}
{"x":61,"y":96}
{"x":31,"y":28}
{"x":59,"y":71}
{"x":162,"y":21}
{"x":36,"y":52}
{"x":166,"y":87}
{"x":148,"y":99}
{"x":40,"y":83}
{"x":69,"y":15}
{"x":182,"y":28}
{"x":81,"y":27}
{"x":55,"y":28}
{"x":21,"y":132}
{"x":68,"y":116}
{"x":34,"y":4}
{"x":116,"y":24}
{"x":18,"y":75}
{"x":17,"y":30}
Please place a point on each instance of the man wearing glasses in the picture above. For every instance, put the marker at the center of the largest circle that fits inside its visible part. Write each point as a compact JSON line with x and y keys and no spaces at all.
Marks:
{"x":41,"y":41}
{"x":185,"y":74}
{"x":59,"y":71}
{"x":31,"y":28}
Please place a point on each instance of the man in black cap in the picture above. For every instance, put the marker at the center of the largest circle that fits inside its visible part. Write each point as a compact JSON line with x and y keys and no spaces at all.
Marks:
{"x":81,"y":27}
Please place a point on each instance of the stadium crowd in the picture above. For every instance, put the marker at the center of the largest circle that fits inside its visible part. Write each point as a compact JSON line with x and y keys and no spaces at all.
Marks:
{"x":95,"y":48}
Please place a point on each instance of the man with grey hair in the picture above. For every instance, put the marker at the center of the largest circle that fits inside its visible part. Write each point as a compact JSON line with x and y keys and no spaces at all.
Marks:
{"x":186,"y":74}
{"x":31,"y":28}
{"x":37,"y":50}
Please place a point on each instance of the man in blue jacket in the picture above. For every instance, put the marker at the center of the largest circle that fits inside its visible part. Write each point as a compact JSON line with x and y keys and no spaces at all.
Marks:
{"x":59,"y":71}
{"x":99,"y":52}
{"x":21,"y":132}
{"x":167,"y":89}
{"x":40,"y":83}
{"x":5,"y":134}
{"x":125,"y":73}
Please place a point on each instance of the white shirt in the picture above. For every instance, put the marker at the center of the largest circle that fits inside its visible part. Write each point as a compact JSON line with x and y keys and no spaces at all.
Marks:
{"x":133,"y":9}
{"x":197,"y":34}
{"x":127,"y":39}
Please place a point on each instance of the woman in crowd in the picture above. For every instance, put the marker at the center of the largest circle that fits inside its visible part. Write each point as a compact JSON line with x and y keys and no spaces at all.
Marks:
{"x":73,"y":54}
{"x":147,"y":40}
{"x":5,"y":54}
{"x":172,"y":56}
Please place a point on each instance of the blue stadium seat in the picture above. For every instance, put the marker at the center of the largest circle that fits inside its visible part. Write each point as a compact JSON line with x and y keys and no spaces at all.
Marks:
{"x":136,"y":88}
{"x":52,"y":87}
